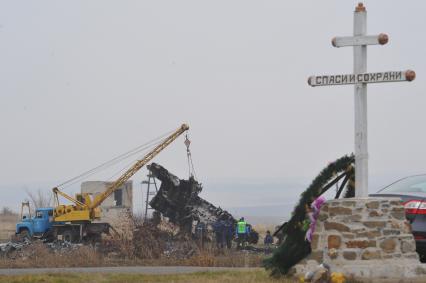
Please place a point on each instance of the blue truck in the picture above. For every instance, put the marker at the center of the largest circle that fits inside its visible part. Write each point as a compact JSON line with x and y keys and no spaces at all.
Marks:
{"x":42,"y":226}
{"x":38,"y":226}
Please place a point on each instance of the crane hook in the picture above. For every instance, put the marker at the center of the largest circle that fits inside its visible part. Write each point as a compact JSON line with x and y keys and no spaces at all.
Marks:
{"x":187,"y":143}
{"x":191,"y":170}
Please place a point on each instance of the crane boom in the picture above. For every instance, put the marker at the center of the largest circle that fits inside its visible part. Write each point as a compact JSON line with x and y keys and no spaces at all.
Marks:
{"x":137,"y":166}
{"x":56,"y":191}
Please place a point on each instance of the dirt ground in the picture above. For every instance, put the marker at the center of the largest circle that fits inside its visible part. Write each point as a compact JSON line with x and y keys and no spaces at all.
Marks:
{"x":7,"y":226}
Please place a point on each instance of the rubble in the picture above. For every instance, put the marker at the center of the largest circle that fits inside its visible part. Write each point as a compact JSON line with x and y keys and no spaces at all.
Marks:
{"x":7,"y":248}
{"x":178,"y":200}
{"x":61,"y":246}
{"x":26,"y":248}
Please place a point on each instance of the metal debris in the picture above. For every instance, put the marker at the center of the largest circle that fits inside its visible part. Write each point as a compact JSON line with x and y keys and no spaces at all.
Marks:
{"x":5,"y":248}
{"x":178,"y":200}
{"x":10,"y":249}
{"x":61,"y":246}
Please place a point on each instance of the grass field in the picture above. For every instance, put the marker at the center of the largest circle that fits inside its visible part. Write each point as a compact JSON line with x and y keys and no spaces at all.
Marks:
{"x":7,"y":226}
{"x":205,"y":277}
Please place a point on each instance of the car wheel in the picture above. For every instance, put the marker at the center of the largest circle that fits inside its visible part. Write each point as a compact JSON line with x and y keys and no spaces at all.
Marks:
{"x":422,"y":256}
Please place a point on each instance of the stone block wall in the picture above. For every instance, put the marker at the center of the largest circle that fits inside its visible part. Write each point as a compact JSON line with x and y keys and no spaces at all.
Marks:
{"x":353,"y":230}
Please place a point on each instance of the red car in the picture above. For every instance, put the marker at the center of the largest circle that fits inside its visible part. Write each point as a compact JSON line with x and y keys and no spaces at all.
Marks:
{"x":412,"y":191}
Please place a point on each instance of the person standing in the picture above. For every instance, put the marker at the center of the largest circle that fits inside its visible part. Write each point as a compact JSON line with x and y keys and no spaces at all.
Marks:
{"x":229,"y":233}
{"x":223,"y":234}
{"x":268,"y":241}
{"x":218,"y":228}
{"x":241,"y":232}
{"x":200,"y":233}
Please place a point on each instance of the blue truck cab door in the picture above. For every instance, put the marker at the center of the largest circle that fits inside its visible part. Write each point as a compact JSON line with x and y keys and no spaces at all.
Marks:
{"x":42,"y":221}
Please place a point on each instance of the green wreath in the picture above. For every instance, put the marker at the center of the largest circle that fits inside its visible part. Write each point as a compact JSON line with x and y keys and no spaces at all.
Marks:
{"x":294,"y":246}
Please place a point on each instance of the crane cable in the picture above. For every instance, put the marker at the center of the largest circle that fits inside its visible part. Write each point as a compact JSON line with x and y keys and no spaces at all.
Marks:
{"x":131,"y":162}
{"x":115,"y":160}
{"x":191,"y":169}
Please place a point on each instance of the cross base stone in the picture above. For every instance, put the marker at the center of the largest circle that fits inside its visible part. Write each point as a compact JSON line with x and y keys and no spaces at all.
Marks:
{"x":364,"y":238}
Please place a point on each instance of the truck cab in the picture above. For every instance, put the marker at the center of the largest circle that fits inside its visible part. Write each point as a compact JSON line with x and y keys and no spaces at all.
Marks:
{"x":36,"y":226}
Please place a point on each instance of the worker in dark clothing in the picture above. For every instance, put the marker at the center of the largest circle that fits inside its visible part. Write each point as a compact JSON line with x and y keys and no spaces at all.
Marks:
{"x":268,"y":241}
{"x":229,"y":233}
{"x":223,"y":239}
{"x":200,"y":233}
{"x":241,"y":232}
{"x":218,"y":228}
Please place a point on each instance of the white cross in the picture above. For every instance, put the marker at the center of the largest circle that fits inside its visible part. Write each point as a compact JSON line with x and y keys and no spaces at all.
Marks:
{"x":360,"y":78}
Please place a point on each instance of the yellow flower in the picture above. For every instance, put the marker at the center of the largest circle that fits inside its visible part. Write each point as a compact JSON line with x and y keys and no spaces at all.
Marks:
{"x":337,"y":277}
{"x":302,"y":279}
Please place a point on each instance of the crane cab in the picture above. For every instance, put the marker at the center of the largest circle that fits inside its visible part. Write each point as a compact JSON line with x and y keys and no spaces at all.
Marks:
{"x":77,"y":212}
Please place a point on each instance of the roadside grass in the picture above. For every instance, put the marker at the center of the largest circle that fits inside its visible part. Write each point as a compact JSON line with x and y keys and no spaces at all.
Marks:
{"x":38,"y":255}
{"x":205,"y":277}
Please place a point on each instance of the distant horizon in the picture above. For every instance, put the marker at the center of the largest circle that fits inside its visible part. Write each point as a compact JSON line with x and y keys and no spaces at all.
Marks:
{"x":238,"y":195}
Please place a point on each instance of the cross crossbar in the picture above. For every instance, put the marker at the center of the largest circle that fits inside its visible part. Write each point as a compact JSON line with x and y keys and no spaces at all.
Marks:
{"x":343,"y":41}
{"x":347,"y":79}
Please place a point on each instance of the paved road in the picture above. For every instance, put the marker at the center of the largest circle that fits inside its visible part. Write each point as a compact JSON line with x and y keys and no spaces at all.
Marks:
{"x":122,"y":269}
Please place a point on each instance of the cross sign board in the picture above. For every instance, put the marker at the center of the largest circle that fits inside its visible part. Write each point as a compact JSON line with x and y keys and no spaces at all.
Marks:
{"x":360,"y":78}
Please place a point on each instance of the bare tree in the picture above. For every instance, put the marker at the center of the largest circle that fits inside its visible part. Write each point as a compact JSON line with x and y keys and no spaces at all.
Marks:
{"x":7,"y":211}
{"x":39,"y":198}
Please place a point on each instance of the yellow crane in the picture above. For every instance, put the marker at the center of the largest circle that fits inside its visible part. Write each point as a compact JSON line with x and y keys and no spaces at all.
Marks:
{"x":76,"y":219}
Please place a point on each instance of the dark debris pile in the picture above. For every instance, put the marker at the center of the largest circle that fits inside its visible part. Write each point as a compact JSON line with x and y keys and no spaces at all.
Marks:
{"x":178,"y":200}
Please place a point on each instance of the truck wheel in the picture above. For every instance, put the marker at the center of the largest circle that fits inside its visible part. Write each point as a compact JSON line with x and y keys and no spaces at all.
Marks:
{"x":68,"y":236}
{"x":24,"y":235}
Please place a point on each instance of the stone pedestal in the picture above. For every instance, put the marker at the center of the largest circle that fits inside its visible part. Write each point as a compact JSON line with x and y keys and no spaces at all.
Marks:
{"x":364,"y":238}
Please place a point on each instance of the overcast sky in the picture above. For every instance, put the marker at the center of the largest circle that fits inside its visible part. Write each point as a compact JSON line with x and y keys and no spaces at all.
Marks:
{"x":83,"y":81}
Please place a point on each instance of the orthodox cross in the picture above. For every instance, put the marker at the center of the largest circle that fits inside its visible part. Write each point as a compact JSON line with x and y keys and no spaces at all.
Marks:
{"x":360,"y":78}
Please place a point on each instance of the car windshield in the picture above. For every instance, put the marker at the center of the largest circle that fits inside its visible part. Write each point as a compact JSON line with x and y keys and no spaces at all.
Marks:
{"x":414,"y":184}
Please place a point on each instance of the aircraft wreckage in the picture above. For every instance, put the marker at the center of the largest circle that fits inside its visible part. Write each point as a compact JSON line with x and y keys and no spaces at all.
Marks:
{"x":178,"y":200}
